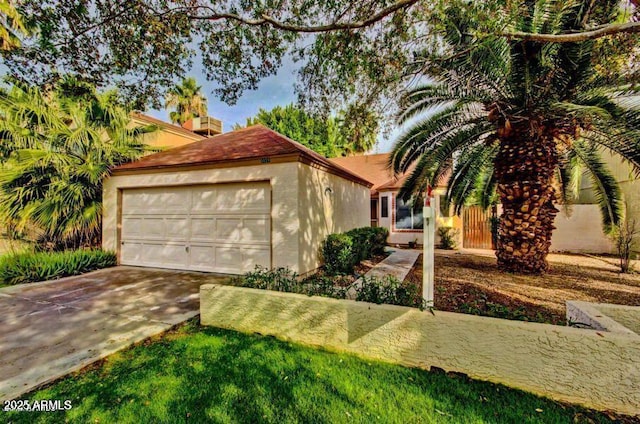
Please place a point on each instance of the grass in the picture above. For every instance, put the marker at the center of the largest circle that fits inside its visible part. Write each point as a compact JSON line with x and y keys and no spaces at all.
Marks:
{"x":200,"y":375}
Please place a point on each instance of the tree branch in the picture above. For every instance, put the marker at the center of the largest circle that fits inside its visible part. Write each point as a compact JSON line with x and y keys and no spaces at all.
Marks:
{"x":334,"y":26}
{"x":629,"y":28}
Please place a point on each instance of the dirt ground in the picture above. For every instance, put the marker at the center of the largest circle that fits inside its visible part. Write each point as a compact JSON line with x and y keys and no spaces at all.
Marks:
{"x":469,"y":282}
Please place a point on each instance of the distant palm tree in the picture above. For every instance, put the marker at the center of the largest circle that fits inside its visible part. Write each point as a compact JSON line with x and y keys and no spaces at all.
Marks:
{"x":56,"y":148}
{"x":522,"y":119}
{"x":188,"y":101}
{"x":11,"y":26}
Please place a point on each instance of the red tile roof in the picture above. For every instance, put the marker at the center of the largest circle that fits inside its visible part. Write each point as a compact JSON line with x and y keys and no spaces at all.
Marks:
{"x":254,"y":142}
{"x":370,"y":167}
{"x":375,"y":169}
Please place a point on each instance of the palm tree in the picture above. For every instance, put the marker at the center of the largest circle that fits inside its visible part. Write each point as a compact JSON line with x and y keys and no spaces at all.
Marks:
{"x":188,"y":100}
{"x":521,"y":119}
{"x":56,"y":148}
{"x":11,"y":26}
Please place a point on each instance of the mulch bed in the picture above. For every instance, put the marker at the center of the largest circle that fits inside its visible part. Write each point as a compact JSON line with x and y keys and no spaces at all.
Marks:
{"x":470,"y":283}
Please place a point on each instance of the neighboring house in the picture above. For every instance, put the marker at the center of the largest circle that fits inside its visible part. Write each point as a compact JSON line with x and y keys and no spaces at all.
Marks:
{"x":231,"y":202}
{"x":586,"y":214}
{"x":169,"y":135}
{"x":403,"y":221}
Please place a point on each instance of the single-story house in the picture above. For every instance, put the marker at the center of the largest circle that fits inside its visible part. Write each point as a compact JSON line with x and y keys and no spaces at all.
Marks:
{"x":403,"y":221}
{"x":230,"y":202}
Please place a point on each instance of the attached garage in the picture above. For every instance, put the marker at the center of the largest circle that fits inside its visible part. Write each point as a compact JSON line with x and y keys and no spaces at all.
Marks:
{"x":231,"y":202}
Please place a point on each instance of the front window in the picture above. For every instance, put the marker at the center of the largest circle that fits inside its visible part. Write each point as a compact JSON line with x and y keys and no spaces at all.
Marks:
{"x":407,"y":216}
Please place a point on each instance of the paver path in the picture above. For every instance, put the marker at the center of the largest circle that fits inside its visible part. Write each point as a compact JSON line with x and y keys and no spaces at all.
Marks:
{"x":53,"y":328}
{"x":397,"y":265}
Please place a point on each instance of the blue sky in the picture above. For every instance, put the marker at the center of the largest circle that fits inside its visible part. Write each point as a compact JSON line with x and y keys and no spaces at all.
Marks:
{"x":272,"y":91}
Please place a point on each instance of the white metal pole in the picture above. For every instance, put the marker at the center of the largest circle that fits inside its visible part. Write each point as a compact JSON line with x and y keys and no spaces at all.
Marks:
{"x":428,"y":254}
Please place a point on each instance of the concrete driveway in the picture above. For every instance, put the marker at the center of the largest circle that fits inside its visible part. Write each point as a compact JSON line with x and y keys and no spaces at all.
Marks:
{"x":50,"y":329}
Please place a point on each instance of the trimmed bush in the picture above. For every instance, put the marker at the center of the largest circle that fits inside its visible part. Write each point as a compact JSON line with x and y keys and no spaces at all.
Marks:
{"x":277,"y":279}
{"x":31,"y":267}
{"x":341,"y":252}
{"x":390,"y":291}
{"x":285,"y":280}
{"x":338,"y":254}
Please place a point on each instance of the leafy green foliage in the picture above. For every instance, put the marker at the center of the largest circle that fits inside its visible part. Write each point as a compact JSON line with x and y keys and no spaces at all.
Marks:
{"x":285,"y":280}
{"x":348,"y":133}
{"x":338,"y":255}
{"x":448,"y":237}
{"x":480,"y":85}
{"x":368,"y":242}
{"x":188,"y":101}
{"x":390,"y":291}
{"x":341,"y":252}
{"x":12,"y":26}
{"x":56,"y":148}
{"x":20,"y":268}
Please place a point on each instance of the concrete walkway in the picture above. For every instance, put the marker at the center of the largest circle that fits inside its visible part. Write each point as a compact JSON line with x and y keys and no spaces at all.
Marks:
{"x":396,"y":265}
{"x":53,"y":328}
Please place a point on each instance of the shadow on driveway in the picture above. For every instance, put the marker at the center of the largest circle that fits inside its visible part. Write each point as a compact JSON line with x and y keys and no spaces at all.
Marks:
{"x":53,"y":328}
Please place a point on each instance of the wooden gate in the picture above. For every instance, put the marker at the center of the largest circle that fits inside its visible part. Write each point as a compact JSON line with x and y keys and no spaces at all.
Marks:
{"x":476,"y":228}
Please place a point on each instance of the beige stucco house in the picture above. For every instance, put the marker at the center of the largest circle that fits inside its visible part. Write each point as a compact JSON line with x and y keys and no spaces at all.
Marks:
{"x":388,"y":210}
{"x":168,"y":135}
{"x":230,"y":202}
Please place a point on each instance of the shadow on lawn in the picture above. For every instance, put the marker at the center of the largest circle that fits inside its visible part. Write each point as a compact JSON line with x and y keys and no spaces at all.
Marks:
{"x":209,"y":375}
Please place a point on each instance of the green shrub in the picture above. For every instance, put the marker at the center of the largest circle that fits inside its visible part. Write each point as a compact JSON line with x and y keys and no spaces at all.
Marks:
{"x":390,"y":291}
{"x":285,"y":280}
{"x":277,"y":279}
{"x":338,"y":254}
{"x":368,"y":241}
{"x":448,"y":237}
{"x":341,"y":252}
{"x":41,"y":266}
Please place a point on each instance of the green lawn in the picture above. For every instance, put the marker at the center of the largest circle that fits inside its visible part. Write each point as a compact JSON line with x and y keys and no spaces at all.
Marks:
{"x":199,"y":375}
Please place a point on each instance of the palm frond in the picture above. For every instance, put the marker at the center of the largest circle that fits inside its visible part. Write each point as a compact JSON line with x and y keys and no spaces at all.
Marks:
{"x":605,"y":187}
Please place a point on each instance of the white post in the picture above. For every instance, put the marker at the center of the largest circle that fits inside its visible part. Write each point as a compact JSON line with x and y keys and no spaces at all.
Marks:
{"x":428,"y":254}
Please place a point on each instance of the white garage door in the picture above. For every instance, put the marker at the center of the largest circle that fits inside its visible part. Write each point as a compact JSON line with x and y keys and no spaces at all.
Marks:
{"x":217,"y":228}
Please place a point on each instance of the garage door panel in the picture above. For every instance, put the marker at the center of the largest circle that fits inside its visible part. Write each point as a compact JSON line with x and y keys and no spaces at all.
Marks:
{"x":177,"y":228}
{"x":203,"y":257}
{"x":217,"y":228}
{"x":131,"y":253}
{"x":255,"y":229}
{"x":150,"y":201}
{"x":163,"y":254}
{"x":132,"y":227}
{"x":245,"y":199}
{"x":203,"y":228}
{"x":153,"y":228}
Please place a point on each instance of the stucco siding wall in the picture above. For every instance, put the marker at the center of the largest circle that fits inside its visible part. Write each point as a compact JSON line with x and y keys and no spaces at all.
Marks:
{"x":284,"y":197}
{"x":580,"y":231}
{"x":597,"y":369}
{"x":322,"y":212}
{"x":629,"y":184}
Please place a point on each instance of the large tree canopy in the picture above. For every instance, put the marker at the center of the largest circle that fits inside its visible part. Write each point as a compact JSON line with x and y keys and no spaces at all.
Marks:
{"x":56,"y":148}
{"x":328,"y":135}
{"x":522,"y":119}
{"x":351,"y":52}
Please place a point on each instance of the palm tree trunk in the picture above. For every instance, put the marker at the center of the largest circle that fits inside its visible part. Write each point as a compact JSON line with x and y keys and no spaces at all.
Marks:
{"x":524,"y":167}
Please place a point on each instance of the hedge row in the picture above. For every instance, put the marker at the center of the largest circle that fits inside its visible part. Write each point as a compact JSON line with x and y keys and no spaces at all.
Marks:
{"x":342,"y":252}
{"x":41,"y":266}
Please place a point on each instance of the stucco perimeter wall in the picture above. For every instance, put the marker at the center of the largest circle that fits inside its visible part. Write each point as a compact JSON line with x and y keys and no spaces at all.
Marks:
{"x":328,"y":204}
{"x":597,"y":369}
{"x":581,"y":231}
{"x":284,"y":198}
